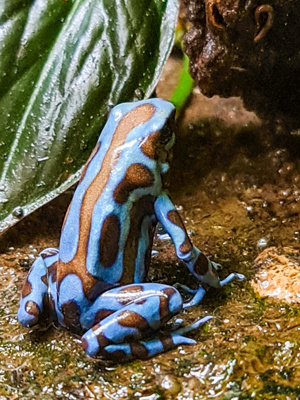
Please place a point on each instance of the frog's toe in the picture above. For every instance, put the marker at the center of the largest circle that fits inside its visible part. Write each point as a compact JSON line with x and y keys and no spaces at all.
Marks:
{"x":217,"y":266}
{"x":177,"y":336}
{"x":178,"y":339}
{"x":193,"y":326}
{"x":230,"y":277}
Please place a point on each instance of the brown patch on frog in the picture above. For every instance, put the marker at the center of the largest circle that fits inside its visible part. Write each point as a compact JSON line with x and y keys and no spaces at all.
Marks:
{"x":27,"y":288}
{"x":84,"y":344}
{"x":129,"y":294}
{"x":101,"y":338}
{"x":77,"y":265}
{"x":102,"y":314}
{"x":167,"y":342}
{"x":137,"y":176}
{"x":138,"y":350}
{"x":32,"y":308}
{"x":131,"y":319}
{"x":109,"y":240}
{"x":44,"y":279}
{"x":150,"y":145}
{"x":117,"y":355}
{"x":175,"y":218}
{"x":52,"y":271}
{"x":201,"y":265}
{"x":71,"y":313}
{"x":99,"y":288}
{"x":140,"y":209}
{"x":164,"y":310}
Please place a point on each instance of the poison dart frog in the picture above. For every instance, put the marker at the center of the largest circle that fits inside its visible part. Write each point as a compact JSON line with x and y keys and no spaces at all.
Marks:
{"x":94,"y":284}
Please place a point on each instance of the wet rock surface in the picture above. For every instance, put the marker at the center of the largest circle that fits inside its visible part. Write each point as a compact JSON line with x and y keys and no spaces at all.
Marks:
{"x":278,"y":275}
{"x":237,"y":189}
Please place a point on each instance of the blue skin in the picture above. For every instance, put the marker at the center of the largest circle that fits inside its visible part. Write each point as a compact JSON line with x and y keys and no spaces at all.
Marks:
{"x":94,"y":284}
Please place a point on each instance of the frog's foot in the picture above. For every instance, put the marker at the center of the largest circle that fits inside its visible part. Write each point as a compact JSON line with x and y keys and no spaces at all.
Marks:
{"x":198,"y":296}
{"x":230,"y":277}
{"x":36,"y":300}
{"x":144,"y":349}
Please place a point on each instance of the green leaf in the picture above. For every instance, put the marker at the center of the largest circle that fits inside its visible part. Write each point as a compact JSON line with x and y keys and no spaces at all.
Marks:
{"x":63,"y":64}
{"x":184,"y":88}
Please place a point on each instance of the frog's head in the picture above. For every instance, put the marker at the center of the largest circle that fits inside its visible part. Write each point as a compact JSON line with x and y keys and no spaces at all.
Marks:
{"x":145,"y":126}
{"x":157,"y":134}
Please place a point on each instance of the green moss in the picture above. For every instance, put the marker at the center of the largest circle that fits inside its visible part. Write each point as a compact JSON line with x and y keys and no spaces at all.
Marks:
{"x":271,"y":387}
{"x":291,"y":312}
{"x":183,"y":366}
{"x":286,"y":373}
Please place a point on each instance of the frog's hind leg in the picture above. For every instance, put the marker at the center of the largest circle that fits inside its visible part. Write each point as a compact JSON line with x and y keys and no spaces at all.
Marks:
{"x":36,"y":300}
{"x":145,"y":309}
{"x":136,"y":311}
{"x":159,"y":344}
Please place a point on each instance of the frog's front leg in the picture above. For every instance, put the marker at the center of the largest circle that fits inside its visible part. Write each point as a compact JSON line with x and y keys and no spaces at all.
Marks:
{"x":38,"y":297}
{"x":199,"y":265}
{"x":130,"y":313}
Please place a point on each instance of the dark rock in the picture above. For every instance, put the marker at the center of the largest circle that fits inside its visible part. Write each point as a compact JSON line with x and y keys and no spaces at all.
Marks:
{"x":249,"y":49}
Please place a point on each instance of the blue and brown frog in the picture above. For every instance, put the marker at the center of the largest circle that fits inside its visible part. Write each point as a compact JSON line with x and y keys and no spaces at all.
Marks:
{"x":94,"y":284}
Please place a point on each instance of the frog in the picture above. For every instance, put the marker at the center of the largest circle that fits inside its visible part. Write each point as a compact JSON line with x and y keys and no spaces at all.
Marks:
{"x":95,"y":285}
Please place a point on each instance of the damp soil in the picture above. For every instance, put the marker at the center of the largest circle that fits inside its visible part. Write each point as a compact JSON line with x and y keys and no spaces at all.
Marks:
{"x":236,"y":185}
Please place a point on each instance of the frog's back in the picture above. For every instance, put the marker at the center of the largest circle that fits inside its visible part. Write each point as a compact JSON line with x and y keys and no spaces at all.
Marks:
{"x":108,"y":208}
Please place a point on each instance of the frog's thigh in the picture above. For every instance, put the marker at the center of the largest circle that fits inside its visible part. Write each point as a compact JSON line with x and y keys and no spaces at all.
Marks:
{"x":35,"y":290}
{"x":139,"y":316}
